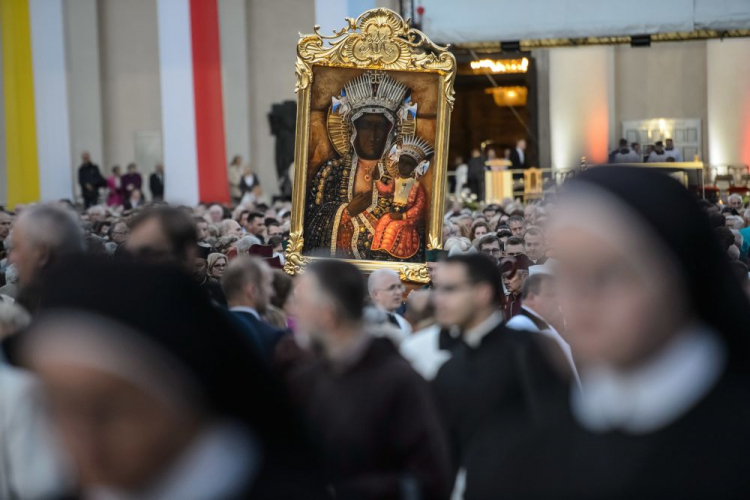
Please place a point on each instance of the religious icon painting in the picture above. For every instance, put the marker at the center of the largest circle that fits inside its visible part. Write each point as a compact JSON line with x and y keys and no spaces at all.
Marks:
{"x":374,"y":103}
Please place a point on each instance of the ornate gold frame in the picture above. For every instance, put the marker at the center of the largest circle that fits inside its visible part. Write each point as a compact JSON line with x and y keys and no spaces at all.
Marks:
{"x":378,"y":39}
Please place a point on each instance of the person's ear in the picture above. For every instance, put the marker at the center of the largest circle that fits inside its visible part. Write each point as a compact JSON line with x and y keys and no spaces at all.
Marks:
{"x":43,"y":256}
{"x":250,"y":290}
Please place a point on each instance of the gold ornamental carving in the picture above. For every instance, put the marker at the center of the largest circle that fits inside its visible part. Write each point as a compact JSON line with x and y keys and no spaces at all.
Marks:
{"x":295,"y":261}
{"x":378,"y":39}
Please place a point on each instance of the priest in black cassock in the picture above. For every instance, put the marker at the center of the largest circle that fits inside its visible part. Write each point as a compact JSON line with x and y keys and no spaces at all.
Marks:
{"x":659,"y":328}
{"x":375,"y":417}
{"x":498,"y":381}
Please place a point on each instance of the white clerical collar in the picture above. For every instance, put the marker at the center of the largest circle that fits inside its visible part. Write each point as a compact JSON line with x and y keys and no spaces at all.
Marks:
{"x":245,"y":309}
{"x":655,"y":394}
{"x":473,"y":336}
{"x":219,"y":464}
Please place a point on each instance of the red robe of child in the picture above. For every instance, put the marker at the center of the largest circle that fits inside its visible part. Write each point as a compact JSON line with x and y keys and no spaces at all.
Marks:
{"x":400,"y":238}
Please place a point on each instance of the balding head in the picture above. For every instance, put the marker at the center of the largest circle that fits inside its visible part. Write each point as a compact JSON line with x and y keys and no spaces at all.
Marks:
{"x":43,"y":235}
{"x":385,"y":289}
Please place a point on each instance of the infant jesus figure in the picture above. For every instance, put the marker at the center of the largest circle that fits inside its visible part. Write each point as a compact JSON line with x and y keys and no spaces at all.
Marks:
{"x":397,"y":232}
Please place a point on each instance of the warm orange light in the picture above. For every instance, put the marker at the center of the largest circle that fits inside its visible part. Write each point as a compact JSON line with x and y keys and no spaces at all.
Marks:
{"x":508,"y":96}
{"x":500,"y":65}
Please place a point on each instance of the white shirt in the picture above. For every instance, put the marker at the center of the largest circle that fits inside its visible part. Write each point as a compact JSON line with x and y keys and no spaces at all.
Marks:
{"x":521,"y":322}
{"x":521,"y":155}
{"x":245,"y":309}
{"x":674,"y":153}
{"x":655,"y":157}
{"x":654,"y":394}
{"x":629,"y":157}
{"x":422,"y":351}
{"x":473,"y":336}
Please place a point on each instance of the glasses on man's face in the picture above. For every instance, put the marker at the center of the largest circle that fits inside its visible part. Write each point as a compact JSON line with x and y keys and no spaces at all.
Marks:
{"x":491,"y":251}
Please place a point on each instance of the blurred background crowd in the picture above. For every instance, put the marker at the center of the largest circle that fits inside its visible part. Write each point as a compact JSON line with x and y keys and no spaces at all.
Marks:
{"x":593,"y":344}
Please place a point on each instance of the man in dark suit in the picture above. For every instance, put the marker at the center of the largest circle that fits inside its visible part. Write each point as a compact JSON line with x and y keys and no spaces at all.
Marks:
{"x":518,"y":158}
{"x":90,"y":179}
{"x":498,"y":381}
{"x":156,"y":183}
{"x":518,"y":155}
{"x":248,"y":286}
{"x":476,"y":173}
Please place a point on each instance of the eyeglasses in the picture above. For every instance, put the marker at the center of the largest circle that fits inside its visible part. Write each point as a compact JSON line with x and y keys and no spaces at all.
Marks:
{"x":220,"y":266}
{"x":491,"y":251}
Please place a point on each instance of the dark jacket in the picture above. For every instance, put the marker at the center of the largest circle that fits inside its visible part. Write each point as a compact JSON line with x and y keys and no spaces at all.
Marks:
{"x":378,"y":426}
{"x":262,"y":335}
{"x":156,"y":185}
{"x":88,"y":173}
{"x":515,"y":159}
{"x":133,"y":180}
{"x":507,"y":380}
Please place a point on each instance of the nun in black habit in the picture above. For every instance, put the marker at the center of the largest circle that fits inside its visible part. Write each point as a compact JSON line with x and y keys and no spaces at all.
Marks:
{"x":659,"y":327}
{"x":155,"y":395}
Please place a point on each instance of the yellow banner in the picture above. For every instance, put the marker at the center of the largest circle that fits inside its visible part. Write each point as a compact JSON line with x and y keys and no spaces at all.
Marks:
{"x":18,"y":86}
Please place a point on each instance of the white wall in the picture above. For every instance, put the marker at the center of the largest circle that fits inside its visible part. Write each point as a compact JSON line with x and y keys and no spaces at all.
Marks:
{"x":84,"y":83}
{"x":666,"y":80}
{"x":273,"y":28}
{"x":728,"y":102}
{"x":129,"y":77}
{"x":234,"y":77}
{"x":581,"y":100}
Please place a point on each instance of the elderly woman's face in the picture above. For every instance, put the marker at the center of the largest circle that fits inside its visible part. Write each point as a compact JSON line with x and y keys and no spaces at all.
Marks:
{"x":217,"y":271}
{"x":621,"y":301}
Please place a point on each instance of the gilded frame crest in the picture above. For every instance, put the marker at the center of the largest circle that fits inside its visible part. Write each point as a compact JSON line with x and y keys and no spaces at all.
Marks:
{"x":380,"y":40}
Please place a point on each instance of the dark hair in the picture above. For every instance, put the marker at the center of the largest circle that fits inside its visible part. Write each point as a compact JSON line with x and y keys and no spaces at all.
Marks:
{"x":481,"y":269}
{"x":516,"y":218}
{"x":255,"y":215}
{"x":343,"y":283}
{"x":705,"y":204}
{"x":725,"y":237}
{"x":275,"y":240}
{"x":514,"y":240}
{"x":623,"y":142}
{"x":476,"y":224}
{"x":533,"y":285}
{"x":178,"y":227}
{"x":239,"y":216}
{"x":270,"y":221}
{"x":488,"y":239}
{"x":282,"y":287}
{"x":198,"y":220}
{"x":716,"y":219}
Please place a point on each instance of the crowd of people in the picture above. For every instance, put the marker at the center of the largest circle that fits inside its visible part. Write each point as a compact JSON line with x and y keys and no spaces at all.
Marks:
{"x":591,"y":345}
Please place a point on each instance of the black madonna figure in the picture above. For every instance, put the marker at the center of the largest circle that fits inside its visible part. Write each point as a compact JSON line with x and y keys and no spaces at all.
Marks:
{"x":343,"y":207}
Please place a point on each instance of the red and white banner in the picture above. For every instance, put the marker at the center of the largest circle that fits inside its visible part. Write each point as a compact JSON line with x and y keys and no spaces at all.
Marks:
{"x":192,"y":103}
